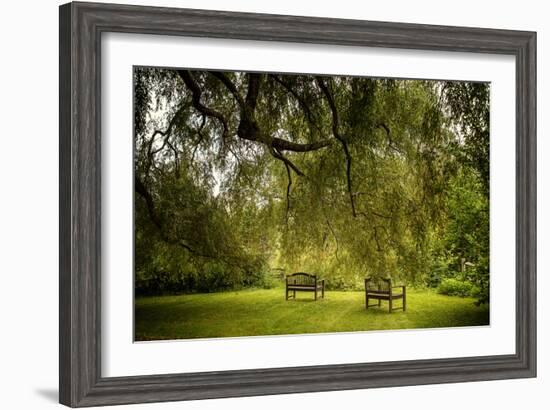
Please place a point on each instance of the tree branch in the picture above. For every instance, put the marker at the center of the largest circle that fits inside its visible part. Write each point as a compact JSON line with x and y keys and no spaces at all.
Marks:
{"x":286,"y":161}
{"x":336,"y":133}
{"x":285,"y":145}
{"x":388,"y":134}
{"x":166,"y":134}
{"x":254,"y":82}
{"x":201,"y":137}
{"x":146,"y":195}
{"x":248,"y":128}
{"x":230,"y":86}
{"x":334,"y":236}
{"x":303,"y":105}
{"x":196,"y":93}
{"x":289,"y":176}
{"x":140,"y":189}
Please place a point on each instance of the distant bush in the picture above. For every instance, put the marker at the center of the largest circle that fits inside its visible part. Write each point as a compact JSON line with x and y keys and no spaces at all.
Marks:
{"x":269,"y":280}
{"x":339,"y":282}
{"x":455,"y":287}
{"x":433,"y":278}
{"x":201,"y":276}
{"x":476,"y":293}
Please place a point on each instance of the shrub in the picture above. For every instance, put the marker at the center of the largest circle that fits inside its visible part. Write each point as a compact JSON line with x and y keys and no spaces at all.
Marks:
{"x":455,"y":287}
{"x":476,"y":292}
{"x":436,"y":274}
{"x":433,"y":278}
{"x":268,"y":280}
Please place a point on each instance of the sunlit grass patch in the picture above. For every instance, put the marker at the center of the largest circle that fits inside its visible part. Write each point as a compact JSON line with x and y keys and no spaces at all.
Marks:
{"x":257,"y":312}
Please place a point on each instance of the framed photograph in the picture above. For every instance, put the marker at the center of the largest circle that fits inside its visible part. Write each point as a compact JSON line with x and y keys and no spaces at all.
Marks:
{"x":259,"y":204}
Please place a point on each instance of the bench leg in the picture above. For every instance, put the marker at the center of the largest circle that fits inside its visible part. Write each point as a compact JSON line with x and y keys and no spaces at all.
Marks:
{"x":391,"y":304}
{"x":404,"y":299}
{"x":294,"y":294}
{"x":379,"y":303}
{"x":323,"y":291}
{"x":315,"y":292}
{"x":286,"y":293}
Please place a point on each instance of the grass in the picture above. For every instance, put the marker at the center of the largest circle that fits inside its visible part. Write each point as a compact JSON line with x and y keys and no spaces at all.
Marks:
{"x":266,"y":312}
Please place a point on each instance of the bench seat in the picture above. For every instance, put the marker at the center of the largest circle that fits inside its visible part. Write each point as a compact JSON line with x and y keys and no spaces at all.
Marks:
{"x":383,"y":290}
{"x":304,"y":282}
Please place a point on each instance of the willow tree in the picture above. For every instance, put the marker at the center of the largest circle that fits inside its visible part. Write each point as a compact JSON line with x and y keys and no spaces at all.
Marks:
{"x":345,"y":176}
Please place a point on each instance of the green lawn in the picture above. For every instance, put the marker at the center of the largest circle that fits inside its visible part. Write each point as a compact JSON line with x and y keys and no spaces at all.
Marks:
{"x":266,"y":312}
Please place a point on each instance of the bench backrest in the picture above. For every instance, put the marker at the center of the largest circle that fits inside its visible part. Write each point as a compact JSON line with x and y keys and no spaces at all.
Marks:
{"x":301,"y":278}
{"x":379,"y":285}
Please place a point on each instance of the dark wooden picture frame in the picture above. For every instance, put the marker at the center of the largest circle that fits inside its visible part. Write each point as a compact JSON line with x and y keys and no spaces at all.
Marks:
{"x":81,"y":27}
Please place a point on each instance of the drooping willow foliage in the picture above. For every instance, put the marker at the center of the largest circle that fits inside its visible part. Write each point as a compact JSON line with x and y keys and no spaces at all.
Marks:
{"x":237,"y":174}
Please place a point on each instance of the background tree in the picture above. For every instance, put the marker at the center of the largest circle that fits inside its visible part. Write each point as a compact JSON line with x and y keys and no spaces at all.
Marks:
{"x":236,"y":173}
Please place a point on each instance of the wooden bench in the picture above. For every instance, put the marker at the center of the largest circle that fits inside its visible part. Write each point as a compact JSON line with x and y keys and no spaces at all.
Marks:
{"x":304,"y":282}
{"x":383,"y":290}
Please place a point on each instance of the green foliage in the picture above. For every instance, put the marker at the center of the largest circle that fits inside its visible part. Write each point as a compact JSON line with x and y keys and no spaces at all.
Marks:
{"x":462,"y":248}
{"x":470,"y":111}
{"x":397,"y":187}
{"x":455,"y":287}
